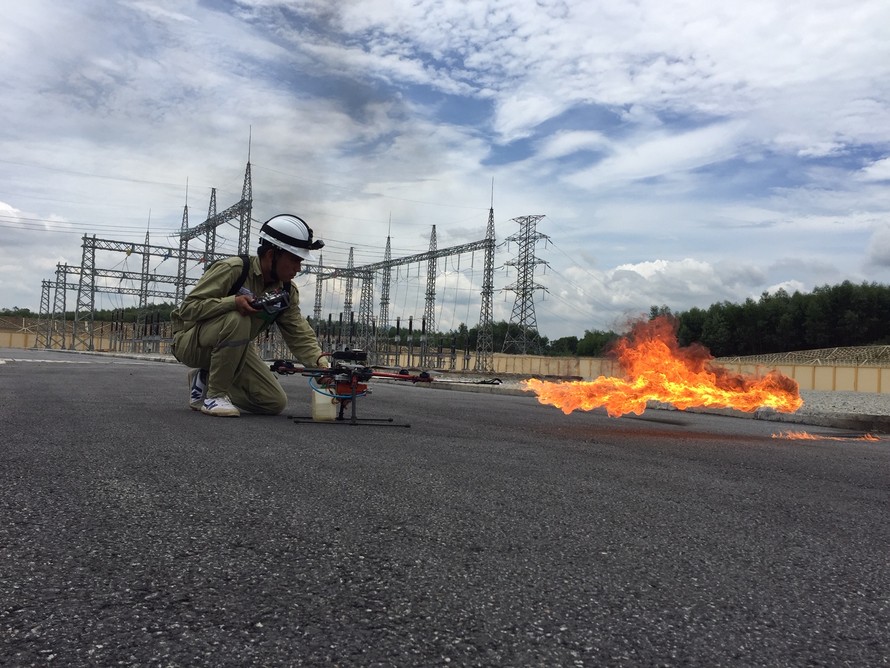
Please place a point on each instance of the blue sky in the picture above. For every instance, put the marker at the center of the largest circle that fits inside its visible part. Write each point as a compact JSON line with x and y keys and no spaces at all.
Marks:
{"x":682,"y":154}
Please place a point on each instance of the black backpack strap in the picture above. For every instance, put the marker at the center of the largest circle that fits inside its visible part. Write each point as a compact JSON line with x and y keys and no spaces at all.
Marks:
{"x":245,"y":260}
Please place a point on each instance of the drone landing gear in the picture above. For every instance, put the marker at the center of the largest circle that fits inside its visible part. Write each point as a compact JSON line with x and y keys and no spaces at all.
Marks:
{"x":343,"y":383}
{"x":352,"y":420}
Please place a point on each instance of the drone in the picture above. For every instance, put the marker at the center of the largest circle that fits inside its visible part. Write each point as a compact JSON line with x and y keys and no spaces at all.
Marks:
{"x":344,"y":382}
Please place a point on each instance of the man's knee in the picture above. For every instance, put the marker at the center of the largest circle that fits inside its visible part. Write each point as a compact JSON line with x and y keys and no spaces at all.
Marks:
{"x":269,"y":405}
{"x":277,"y":400}
{"x":277,"y":408}
{"x":233,"y":326}
{"x":259,"y":396}
{"x":229,"y":330}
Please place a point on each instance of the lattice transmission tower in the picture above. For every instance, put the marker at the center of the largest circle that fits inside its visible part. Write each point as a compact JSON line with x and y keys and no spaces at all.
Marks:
{"x":181,"y":259}
{"x":526,"y":341}
{"x":429,"y":308}
{"x":386,"y":270}
{"x":316,"y":311}
{"x":347,"y":296}
{"x":485,"y":337}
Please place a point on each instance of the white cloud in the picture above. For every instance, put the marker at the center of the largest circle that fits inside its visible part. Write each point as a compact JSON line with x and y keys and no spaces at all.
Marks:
{"x":879,"y":247}
{"x":682,"y":154}
{"x":561,"y":144}
{"x":788,"y":286}
{"x":879,"y":170}
{"x":662,"y":154}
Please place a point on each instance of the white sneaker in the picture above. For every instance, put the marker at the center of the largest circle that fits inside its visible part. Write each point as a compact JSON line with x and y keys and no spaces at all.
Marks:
{"x":220,"y":407}
{"x":197,"y":388}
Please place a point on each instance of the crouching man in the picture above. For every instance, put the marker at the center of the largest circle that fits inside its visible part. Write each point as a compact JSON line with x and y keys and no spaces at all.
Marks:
{"x":215,"y":327}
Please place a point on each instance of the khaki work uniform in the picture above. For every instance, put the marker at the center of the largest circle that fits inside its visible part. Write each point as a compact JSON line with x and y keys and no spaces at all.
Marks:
{"x":208,"y":333}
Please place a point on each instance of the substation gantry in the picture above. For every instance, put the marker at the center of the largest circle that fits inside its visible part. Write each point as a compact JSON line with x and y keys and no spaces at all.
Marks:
{"x":87,"y":286}
{"x":362,"y":329}
{"x":363,"y":326}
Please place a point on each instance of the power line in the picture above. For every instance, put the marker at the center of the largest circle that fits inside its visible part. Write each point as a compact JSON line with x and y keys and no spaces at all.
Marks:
{"x":365,"y":194}
{"x":95,"y":175}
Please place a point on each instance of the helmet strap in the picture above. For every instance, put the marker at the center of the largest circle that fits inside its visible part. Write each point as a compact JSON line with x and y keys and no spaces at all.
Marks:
{"x":273,"y":272}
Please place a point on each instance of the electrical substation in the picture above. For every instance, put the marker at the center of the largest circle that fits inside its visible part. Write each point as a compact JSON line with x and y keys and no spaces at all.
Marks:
{"x":391,"y":333}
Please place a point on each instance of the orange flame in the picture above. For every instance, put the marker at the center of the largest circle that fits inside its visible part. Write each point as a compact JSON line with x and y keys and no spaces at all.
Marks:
{"x":657,"y":368}
{"x":806,"y":436}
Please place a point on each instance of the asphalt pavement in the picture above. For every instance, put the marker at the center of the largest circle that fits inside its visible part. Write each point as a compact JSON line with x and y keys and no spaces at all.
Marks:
{"x":493,"y":531}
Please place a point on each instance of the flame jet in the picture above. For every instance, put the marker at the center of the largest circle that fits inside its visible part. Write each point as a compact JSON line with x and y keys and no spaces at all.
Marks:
{"x":657,"y":368}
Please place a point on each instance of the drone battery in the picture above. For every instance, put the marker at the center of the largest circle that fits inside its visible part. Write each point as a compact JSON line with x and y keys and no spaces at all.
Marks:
{"x":324,"y":407}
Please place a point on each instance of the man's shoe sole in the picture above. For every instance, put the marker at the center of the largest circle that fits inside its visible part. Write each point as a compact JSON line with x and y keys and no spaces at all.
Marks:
{"x":210,"y":411}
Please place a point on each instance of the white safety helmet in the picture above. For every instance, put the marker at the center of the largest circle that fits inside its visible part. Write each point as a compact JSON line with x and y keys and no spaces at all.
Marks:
{"x":291,"y":233}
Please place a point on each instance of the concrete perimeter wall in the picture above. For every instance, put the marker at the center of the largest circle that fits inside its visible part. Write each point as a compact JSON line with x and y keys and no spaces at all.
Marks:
{"x":809,"y":377}
{"x":830,"y":378}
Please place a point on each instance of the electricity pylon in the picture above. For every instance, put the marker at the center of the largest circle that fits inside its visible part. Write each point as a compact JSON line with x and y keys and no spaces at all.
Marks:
{"x":526,"y":341}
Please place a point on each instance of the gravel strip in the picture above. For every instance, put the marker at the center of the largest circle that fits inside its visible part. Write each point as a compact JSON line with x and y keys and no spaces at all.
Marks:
{"x":859,"y":403}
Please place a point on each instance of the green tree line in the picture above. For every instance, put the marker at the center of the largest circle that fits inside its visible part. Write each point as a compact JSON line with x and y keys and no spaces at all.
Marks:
{"x":129,"y":314}
{"x":831,"y":316}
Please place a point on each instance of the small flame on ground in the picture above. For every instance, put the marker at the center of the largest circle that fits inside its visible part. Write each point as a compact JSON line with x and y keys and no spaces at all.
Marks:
{"x":657,"y":368}
{"x":805,"y":436}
